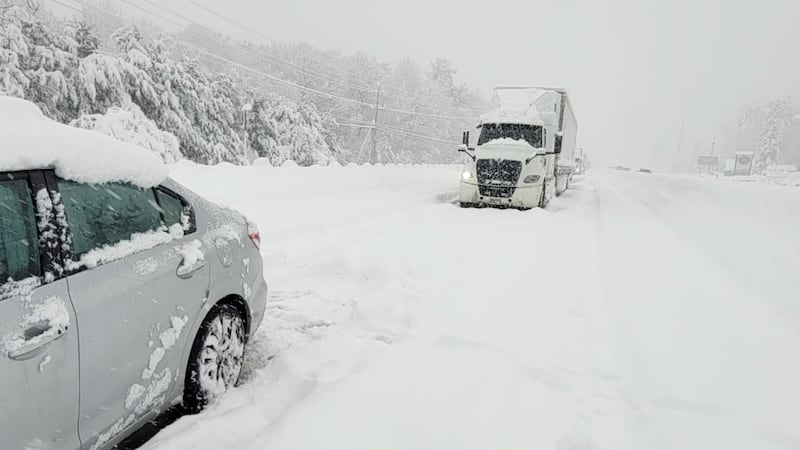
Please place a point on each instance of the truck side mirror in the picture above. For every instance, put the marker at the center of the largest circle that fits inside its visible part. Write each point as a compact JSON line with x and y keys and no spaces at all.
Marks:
{"x":464,"y":149}
{"x":465,"y":138}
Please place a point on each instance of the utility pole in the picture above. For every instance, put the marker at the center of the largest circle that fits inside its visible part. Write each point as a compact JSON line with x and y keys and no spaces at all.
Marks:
{"x":248,"y":152}
{"x":680,"y":143}
{"x":713,"y":142}
{"x":375,"y":126}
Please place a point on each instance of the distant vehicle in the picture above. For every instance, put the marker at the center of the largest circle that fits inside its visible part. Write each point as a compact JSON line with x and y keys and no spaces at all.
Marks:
{"x":580,"y":161}
{"x":622,"y":168}
{"x":526,"y":150}
{"x":123,"y":292}
{"x":643,"y":170}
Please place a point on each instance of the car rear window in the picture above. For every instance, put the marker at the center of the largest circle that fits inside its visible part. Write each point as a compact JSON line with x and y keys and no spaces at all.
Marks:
{"x":19,"y":248}
{"x":106,"y":214}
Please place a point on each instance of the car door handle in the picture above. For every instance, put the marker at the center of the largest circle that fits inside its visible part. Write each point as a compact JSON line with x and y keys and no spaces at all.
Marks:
{"x":36,"y":337}
{"x":186,"y":272}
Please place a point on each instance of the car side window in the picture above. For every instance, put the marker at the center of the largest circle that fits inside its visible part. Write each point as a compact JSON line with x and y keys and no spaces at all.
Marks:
{"x":105,"y":214}
{"x":19,"y":248}
{"x":175,"y":210}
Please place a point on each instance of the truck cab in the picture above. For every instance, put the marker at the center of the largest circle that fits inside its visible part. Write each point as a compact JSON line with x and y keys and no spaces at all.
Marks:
{"x":508,"y":167}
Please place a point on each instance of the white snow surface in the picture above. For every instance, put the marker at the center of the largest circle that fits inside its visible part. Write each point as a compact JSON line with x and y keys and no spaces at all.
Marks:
{"x":636,"y":312}
{"x":32,"y":141}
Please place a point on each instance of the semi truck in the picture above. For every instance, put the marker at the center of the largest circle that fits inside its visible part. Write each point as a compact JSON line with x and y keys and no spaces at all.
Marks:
{"x":525,"y":152}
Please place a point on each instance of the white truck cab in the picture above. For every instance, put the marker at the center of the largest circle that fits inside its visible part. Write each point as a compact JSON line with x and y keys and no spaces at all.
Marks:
{"x":525,"y":151}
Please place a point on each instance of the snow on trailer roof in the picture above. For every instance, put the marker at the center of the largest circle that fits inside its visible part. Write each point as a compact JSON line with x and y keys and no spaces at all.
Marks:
{"x":519,"y":104}
{"x":29,"y":140}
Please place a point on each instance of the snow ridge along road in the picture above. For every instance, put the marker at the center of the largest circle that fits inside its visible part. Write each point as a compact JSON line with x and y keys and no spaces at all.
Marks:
{"x":635,"y":312}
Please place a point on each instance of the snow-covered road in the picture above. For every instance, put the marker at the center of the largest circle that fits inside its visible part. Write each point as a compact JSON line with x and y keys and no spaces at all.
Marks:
{"x":638,"y":311}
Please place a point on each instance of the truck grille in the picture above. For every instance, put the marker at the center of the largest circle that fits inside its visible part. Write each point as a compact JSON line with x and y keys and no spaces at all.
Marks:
{"x":498,"y":177}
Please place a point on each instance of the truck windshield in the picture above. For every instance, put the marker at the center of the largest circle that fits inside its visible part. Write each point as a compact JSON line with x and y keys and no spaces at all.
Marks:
{"x":529,"y":133}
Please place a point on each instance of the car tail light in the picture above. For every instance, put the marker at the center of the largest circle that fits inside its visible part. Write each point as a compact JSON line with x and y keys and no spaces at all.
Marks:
{"x":254,"y":234}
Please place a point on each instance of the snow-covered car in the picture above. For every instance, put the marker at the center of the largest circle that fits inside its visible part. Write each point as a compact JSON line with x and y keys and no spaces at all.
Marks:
{"x":123,"y":293}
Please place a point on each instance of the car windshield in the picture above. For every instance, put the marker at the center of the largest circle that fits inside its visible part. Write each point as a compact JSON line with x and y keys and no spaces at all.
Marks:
{"x":520,"y":132}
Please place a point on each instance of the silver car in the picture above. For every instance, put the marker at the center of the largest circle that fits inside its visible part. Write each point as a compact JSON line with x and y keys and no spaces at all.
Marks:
{"x":116,"y":303}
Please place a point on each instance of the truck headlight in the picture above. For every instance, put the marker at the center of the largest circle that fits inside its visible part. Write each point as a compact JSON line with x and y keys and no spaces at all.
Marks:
{"x":531,"y":179}
{"x":466,"y":175}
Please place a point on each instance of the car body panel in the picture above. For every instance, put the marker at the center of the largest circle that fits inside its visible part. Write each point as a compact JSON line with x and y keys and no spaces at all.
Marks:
{"x":39,"y":394}
{"x":144,"y":305}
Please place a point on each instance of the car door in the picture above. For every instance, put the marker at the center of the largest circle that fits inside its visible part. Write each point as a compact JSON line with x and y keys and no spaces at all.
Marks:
{"x":131,"y":302}
{"x":38,"y":336}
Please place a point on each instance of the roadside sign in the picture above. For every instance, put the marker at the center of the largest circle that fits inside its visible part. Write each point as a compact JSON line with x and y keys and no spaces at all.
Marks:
{"x":708,"y":163}
{"x":708,"y":160}
{"x":743,"y":164}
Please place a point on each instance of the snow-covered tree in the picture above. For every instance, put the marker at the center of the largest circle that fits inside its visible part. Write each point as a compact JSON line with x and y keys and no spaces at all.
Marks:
{"x":86,"y":39}
{"x":129,"y":124}
{"x":36,"y":63}
{"x":777,"y":115}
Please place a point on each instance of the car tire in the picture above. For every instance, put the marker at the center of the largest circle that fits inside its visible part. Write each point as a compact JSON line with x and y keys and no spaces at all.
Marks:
{"x":465,"y":204}
{"x":217,"y":356}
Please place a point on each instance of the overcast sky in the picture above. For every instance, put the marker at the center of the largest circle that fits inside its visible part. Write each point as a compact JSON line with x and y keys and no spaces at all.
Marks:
{"x":635,"y":68}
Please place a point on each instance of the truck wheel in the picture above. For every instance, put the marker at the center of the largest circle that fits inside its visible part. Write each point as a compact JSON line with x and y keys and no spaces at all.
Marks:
{"x":216,"y":359}
{"x":543,"y":197}
{"x":558,"y":193}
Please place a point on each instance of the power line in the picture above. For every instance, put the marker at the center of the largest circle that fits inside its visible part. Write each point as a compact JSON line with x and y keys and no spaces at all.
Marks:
{"x":67,"y":6}
{"x":315,"y":91}
{"x":303,"y":70}
{"x":361,"y":88}
{"x":354,"y":125}
{"x":277,"y":79}
{"x":127,"y":2}
{"x":245,"y":27}
{"x":395,"y":131}
{"x":262,"y":35}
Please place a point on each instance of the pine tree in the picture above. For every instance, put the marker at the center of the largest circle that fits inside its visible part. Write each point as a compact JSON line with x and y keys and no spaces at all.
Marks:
{"x":777,"y":116}
{"x":85,"y":38}
{"x":37,"y":64}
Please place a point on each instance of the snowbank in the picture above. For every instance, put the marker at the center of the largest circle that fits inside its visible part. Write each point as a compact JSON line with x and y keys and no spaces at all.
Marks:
{"x":29,"y":140}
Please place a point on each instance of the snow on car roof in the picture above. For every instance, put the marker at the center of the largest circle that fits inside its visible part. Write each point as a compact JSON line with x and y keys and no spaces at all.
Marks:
{"x":29,"y":140}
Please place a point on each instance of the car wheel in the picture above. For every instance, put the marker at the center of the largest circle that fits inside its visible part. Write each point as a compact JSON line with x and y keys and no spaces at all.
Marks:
{"x":216,"y":359}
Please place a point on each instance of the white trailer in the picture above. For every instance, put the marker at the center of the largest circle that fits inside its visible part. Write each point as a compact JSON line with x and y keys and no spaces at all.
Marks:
{"x":526,"y":149}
